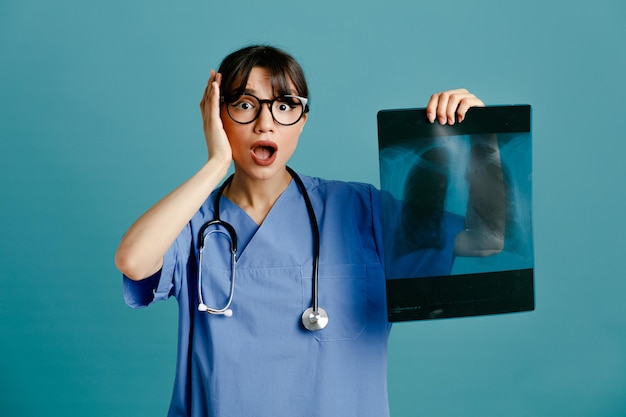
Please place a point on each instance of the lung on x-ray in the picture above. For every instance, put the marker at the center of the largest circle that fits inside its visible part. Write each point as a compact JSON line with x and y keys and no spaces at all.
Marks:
{"x":456,"y":209}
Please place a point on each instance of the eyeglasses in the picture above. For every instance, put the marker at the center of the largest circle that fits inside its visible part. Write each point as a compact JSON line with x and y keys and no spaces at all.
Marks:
{"x":286,"y":110}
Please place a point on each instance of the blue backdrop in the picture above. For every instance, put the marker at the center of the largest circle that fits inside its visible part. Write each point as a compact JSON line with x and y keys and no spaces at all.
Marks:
{"x":99,"y":118}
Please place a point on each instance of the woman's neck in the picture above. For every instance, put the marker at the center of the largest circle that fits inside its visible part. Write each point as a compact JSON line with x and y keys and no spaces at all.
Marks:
{"x":257,"y":196}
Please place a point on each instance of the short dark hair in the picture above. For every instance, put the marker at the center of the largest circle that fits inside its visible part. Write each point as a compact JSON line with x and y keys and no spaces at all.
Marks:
{"x":283,"y":69}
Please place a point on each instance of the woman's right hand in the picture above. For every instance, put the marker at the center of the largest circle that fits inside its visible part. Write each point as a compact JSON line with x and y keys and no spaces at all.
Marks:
{"x":215,"y":136}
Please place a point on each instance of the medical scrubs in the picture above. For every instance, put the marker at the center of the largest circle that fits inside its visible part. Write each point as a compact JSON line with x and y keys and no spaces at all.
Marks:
{"x":261,"y":361}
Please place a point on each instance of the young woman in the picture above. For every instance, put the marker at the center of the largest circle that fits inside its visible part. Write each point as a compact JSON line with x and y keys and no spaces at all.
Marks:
{"x":292,"y":323}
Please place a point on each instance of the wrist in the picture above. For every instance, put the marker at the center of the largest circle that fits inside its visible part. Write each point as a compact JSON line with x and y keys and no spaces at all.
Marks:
{"x":218,"y":165}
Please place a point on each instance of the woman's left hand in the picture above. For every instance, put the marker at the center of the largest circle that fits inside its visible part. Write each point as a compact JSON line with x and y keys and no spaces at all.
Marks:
{"x":448,"y":105}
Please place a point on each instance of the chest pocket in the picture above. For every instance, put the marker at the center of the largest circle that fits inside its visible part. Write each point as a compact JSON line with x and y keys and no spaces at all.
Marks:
{"x":342,"y":293}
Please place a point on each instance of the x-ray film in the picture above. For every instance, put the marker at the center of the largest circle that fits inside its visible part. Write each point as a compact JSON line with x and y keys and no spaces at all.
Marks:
{"x":456,"y":208}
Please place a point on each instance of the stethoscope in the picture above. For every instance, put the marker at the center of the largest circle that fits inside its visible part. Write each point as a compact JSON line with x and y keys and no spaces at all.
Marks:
{"x":314,"y":317}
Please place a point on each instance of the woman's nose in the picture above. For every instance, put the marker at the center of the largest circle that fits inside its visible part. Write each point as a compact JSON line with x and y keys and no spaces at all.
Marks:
{"x":265,"y":121}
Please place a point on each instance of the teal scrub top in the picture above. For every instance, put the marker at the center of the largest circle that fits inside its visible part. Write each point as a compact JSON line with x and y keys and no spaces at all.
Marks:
{"x":261,"y":361}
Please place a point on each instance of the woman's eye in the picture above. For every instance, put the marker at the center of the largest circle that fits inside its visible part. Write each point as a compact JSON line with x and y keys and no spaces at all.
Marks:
{"x":284,"y":106}
{"x":243,"y":105}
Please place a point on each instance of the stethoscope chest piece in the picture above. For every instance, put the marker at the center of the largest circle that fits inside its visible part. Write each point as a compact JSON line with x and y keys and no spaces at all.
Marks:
{"x":314,"y":319}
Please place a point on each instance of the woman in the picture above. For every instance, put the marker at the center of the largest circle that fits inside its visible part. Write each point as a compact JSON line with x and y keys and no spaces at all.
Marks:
{"x":264,"y":361}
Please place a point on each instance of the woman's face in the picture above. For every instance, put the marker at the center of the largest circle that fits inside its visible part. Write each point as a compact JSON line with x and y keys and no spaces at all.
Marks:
{"x":261,"y":148}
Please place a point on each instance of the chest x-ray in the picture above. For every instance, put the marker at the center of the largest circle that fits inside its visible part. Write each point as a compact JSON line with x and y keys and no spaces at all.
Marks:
{"x":457,"y":223}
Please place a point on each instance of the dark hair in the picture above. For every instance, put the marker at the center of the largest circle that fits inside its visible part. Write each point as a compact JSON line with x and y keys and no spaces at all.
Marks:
{"x":283,"y":69}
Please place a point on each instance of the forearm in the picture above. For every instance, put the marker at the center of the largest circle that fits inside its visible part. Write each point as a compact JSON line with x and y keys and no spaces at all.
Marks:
{"x":140,"y":253}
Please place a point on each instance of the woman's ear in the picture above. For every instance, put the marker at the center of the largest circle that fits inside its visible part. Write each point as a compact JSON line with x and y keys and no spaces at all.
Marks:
{"x":304,"y":117}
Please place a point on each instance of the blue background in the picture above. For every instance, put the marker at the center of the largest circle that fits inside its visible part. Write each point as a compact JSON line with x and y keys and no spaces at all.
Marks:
{"x":99,"y":118}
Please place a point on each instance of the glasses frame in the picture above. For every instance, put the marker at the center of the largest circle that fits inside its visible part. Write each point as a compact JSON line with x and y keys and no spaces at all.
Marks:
{"x":304,"y":100}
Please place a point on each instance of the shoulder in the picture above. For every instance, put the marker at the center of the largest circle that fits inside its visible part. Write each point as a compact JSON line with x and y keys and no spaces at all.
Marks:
{"x":345,"y":200}
{"x":339,"y":189}
{"x":349,"y":217}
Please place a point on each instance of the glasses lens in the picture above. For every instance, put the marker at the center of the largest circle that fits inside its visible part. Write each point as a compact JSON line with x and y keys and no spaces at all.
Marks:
{"x":244,"y":109}
{"x":287,"y":110}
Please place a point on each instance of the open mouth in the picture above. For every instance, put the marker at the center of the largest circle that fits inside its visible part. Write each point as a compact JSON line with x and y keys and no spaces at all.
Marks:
{"x":264,"y":152}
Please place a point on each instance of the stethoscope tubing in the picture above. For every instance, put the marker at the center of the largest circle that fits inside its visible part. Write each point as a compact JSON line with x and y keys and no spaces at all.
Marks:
{"x":316,"y":235}
{"x":233,"y":265}
{"x":314,"y":317}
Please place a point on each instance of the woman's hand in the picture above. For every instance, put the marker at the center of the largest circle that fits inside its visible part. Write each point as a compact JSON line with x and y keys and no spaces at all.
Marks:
{"x":217,"y":142}
{"x":445,"y":106}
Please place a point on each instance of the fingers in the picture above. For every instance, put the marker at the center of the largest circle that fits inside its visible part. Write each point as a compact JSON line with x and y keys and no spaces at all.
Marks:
{"x":212,"y":90}
{"x":207,"y":89}
{"x":215,"y":136}
{"x":210,"y":103}
{"x":448,"y":106}
{"x":205,"y":98}
{"x":215,"y":89}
